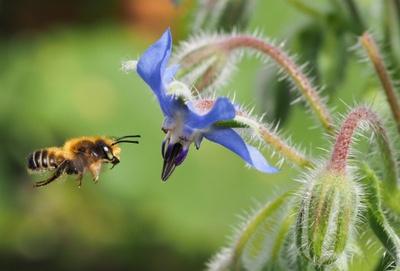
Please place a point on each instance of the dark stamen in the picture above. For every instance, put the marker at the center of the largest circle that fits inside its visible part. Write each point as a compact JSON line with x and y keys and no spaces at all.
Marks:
{"x":170,"y":157}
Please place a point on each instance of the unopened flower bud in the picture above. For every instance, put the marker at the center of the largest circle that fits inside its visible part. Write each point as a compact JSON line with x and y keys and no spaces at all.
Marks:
{"x":326,"y":218}
{"x":204,"y":64}
{"x":223,"y":14}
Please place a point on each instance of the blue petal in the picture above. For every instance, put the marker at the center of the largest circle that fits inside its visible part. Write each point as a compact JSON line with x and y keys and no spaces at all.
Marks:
{"x":166,"y":103}
{"x":232,"y":140}
{"x":152,"y":68}
{"x":222,"y":110}
{"x":170,"y":73}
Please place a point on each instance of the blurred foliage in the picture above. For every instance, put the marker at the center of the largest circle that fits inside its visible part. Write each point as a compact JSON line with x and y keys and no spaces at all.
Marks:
{"x":214,"y":16}
{"x":62,"y":80}
{"x":323,"y":45}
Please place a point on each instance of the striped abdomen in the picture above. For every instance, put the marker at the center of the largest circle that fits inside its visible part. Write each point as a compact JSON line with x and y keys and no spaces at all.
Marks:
{"x":45,"y":159}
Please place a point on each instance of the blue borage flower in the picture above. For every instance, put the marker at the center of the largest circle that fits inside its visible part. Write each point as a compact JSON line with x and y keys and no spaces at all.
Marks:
{"x":188,"y":120}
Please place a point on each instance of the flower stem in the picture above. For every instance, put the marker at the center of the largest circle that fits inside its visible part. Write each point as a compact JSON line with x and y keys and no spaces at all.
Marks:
{"x":373,"y":53}
{"x":275,"y":142}
{"x":284,"y":149}
{"x":298,"y":77}
{"x":338,"y":159}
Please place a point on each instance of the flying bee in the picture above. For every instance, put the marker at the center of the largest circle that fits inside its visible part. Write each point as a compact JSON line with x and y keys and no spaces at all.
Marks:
{"x":77,"y":156}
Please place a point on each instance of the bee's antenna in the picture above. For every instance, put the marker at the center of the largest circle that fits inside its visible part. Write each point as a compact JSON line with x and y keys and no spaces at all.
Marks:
{"x":126,"y":141}
{"x":120,"y":140}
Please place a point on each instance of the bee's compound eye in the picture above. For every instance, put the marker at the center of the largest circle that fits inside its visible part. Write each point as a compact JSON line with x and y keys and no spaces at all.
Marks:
{"x":108,"y":153}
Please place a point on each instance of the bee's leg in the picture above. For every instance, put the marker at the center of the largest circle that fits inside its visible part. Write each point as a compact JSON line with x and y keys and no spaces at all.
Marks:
{"x":80,"y":176}
{"x":45,"y":182}
{"x":95,"y":170}
{"x":58,"y":173}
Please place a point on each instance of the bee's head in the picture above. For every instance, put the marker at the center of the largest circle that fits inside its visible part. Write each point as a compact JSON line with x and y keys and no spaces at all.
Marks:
{"x":108,"y":152}
{"x":112,"y":151}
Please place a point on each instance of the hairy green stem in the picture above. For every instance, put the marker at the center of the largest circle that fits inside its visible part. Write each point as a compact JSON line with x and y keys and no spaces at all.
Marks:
{"x":338,"y":159}
{"x":285,"y":150}
{"x":373,"y":53}
{"x":295,"y":73}
{"x":275,"y":142}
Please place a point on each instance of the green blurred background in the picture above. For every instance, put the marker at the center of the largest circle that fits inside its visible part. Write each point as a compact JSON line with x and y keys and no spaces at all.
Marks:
{"x":60,"y":78}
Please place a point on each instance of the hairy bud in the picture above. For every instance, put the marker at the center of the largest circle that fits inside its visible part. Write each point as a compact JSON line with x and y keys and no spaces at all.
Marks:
{"x":203,"y":65}
{"x":327,"y":217}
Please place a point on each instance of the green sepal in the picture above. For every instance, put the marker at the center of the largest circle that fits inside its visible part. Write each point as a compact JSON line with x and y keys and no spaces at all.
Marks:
{"x":262,"y":240}
{"x":259,"y":236}
{"x":385,"y":263}
{"x":376,"y":216}
{"x":231,"y":124}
